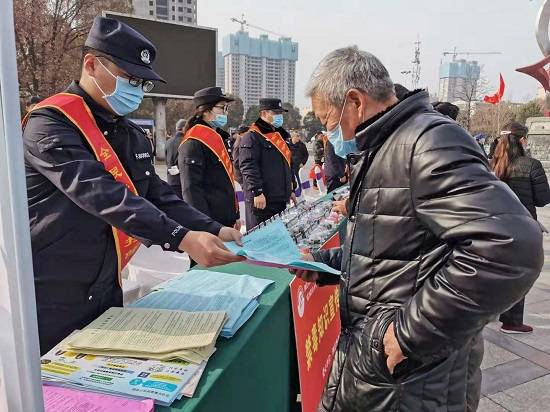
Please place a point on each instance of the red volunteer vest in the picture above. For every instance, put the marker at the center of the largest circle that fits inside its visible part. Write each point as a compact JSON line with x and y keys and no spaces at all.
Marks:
{"x":77,"y":111}
{"x":211,"y":139}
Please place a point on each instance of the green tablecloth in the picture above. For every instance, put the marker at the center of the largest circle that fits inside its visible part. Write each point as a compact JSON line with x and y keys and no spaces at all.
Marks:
{"x":255,"y":370}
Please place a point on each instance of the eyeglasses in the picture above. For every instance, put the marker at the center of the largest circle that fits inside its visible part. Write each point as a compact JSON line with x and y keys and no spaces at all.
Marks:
{"x":225,"y":107}
{"x":146,"y":85}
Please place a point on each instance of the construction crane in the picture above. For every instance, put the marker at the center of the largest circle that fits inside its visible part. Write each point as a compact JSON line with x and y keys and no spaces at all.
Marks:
{"x":244,"y":23}
{"x":455,"y":53}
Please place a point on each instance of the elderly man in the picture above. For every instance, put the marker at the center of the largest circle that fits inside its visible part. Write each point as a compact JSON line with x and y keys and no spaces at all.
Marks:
{"x":437,"y":246}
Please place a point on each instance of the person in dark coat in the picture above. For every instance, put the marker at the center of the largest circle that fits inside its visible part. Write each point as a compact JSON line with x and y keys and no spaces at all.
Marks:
{"x":265,"y":159}
{"x":205,"y":182}
{"x":436,"y":246}
{"x":76,"y":204}
{"x":400,"y":91}
{"x":241,"y":130}
{"x":447,"y":109}
{"x":480,"y":139}
{"x":334,"y":169}
{"x":172,"y":170}
{"x":527,"y":179}
{"x":493,"y":147}
{"x":300,"y":155}
{"x":319,"y":148}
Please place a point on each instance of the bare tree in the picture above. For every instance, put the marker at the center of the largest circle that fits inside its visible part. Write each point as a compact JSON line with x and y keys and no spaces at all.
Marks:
{"x":470,"y":89}
{"x":484,"y":119}
{"x":49,"y":35}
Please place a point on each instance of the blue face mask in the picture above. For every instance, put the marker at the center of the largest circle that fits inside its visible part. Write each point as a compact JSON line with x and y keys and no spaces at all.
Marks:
{"x":277,"y":121}
{"x":125,"y":98}
{"x":342,"y":147}
{"x":220,"y":120}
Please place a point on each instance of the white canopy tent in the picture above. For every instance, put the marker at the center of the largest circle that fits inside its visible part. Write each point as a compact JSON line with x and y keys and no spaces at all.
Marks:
{"x":20,"y":384}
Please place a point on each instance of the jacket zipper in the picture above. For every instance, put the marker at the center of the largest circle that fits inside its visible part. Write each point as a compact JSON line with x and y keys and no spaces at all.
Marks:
{"x":360,"y":175}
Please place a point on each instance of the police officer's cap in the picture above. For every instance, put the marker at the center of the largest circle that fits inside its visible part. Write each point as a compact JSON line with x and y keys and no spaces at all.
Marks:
{"x":210,"y":95}
{"x":130,"y":50}
{"x":272,"y":104}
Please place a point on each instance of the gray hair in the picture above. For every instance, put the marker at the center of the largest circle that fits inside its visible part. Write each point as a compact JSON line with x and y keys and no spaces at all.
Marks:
{"x":349,"y":68}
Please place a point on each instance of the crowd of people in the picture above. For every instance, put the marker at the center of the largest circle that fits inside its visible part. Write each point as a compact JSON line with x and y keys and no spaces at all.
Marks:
{"x":440,"y":239}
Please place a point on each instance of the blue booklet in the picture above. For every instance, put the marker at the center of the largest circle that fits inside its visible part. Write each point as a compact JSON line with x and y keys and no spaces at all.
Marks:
{"x":271,"y":245}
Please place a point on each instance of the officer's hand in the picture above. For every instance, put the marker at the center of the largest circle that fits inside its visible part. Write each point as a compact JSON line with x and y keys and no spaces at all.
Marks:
{"x":238,"y":224}
{"x":343,"y":179}
{"x":207,"y":250}
{"x":260,"y":202}
{"x":293,"y":199}
{"x":340,"y":206}
{"x":306,"y":275}
{"x":229,"y":234}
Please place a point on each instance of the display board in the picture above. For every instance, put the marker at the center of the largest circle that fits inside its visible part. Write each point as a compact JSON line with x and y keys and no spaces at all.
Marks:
{"x":186,"y":54}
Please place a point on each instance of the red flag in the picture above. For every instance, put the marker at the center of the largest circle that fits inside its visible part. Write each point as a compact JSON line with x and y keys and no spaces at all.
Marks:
{"x":497,"y":97}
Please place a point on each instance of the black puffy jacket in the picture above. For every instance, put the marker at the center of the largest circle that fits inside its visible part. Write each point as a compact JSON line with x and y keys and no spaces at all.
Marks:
{"x":432,"y":235}
{"x":528,"y":181}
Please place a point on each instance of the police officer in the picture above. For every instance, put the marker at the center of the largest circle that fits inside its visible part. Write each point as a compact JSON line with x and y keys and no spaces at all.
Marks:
{"x":172,"y":169}
{"x":265,"y":161}
{"x":93,"y":192}
{"x":204,"y":158}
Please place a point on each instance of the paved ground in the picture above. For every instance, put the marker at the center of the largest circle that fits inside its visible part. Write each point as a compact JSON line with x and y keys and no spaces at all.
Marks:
{"x":516,"y":368}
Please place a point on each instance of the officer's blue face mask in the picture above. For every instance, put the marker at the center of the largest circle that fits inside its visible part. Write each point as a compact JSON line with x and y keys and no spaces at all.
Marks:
{"x":342,"y":147}
{"x":219,"y":121}
{"x":277,"y":121}
{"x":125,"y":98}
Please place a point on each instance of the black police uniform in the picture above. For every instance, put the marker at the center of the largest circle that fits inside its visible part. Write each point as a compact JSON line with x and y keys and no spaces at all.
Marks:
{"x":264,"y":171}
{"x":74,"y":201}
{"x":172,"y":160}
{"x":204,"y":181}
{"x":334,"y":168}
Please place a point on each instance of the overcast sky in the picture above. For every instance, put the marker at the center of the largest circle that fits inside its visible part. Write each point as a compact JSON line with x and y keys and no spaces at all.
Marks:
{"x":388,"y":28}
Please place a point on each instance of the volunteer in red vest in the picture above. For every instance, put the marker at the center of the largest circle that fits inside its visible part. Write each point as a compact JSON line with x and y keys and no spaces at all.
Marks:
{"x":265,"y":159}
{"x":204,"y":159}
{"x":93,"y":193}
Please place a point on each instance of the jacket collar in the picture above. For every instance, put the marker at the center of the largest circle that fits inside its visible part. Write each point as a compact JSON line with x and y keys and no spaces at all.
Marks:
{"x":265,"y":127}
{"x":221,"y":132}
{"x":98,"y":111}
{"x":377,"y":129}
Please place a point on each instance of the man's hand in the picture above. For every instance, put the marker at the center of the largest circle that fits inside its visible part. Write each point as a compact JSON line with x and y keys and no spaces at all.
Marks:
{"x":343,"y":179}
{"x":306,"y":275}
{"x":341,"y":207}
{"x":293,"y":199}
{"x":208,"y":250}
{"x":260,"y":202}
{"x":229,"y":234}
{"x":392,"y":349}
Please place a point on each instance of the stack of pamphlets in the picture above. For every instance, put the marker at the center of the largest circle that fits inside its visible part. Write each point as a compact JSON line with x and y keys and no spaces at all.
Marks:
{"x":202,"y":290}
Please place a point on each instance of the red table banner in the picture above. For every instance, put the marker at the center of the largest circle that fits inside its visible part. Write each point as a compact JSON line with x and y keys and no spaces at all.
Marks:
{"x":316,"y":317}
